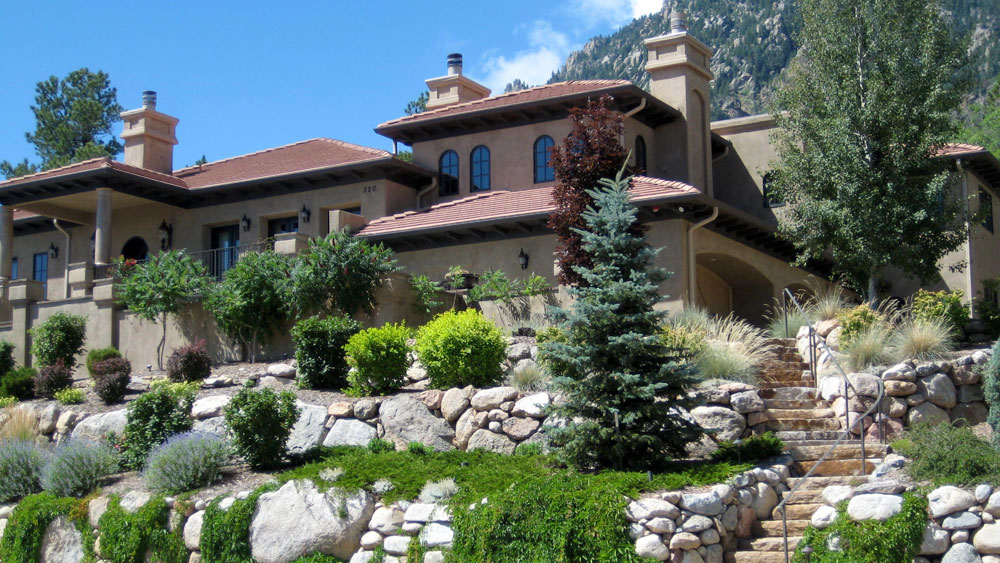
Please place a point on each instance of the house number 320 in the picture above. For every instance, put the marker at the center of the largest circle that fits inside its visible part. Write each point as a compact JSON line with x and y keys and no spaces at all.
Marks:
{"x":369,"y":189}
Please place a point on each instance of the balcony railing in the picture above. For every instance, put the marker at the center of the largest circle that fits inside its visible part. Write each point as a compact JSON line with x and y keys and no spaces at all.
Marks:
{"x":216,"y":260}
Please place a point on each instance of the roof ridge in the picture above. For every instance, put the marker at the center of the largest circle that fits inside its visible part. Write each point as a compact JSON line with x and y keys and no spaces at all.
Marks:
{"x":237,"y":157}
{"x":129,"y":167}
{"x":58,"y":168}
{"x":350,"y":145}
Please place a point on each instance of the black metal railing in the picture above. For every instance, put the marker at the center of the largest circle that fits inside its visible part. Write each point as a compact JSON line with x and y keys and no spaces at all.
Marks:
{"x":216,"y":260}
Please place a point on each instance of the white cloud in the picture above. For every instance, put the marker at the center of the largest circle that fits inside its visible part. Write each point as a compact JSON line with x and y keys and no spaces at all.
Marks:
{"x":547,"y":50}
{"x":613,"y":12}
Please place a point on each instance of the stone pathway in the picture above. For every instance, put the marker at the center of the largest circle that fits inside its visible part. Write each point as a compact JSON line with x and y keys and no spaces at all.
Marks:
{"x":796,"y":414}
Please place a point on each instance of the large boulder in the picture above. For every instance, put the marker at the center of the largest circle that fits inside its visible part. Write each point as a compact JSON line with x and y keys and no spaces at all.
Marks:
{"x":349,"y":432}
{"x":987,"y":539}
{"x":962,"y":553}
{"x":192,"y":531}
{"x":938,"y":389}
{"x":489,"y":399}
{"x":97,"y":426}
{"x":926,"y":413}
{"x":298,"y":520}
{"x":483,"y":439}
{"x":723,"y":423}
{"x":209,"y":407}
{"x":874,"y":507}
{"x":406,"y":420}
{"x":936,"y":540}
{"x":864,"y":384}
{"x":453,"y":404}
{"x":652,"y":547}
{"x":746,"y":402}
{"x":62,"y":542}
{"x":215,"y":425}
{"x":949,"y":500}
{"x":307,"y":433}
{"x":532,"y":405}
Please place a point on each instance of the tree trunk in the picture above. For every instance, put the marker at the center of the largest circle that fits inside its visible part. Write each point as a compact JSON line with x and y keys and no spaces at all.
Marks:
{"x":872,"y":289}
{"x":163,"y":342}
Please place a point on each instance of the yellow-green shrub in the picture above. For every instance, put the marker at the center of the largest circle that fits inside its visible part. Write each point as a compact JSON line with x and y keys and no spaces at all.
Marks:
{"x":857,"y":320}
{"x":943,"y":305}
{"x":461,"y":348}
{"x":379,"y":359}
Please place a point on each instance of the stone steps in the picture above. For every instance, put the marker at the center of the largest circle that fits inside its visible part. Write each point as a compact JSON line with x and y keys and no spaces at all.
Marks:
{"x":808,"y":424}
{"x":804,"y":496}
{"x":841,"y":452}
{"x":755,"y":556}
{"x":778,"y":415}
{"x":803,"y":511}
{"x":837,"y":467}
{"x":772,"y":528}
{"x":821,"y":482}
{"x":827,"y":436}
{"x":770,"y":544}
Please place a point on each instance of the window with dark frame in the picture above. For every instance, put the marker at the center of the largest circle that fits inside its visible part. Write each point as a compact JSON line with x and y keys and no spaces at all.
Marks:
{"x":640,"y":153}
{"x":13,"y":268}
{"x":448,"y":173}
{"x":771,"y":199}
{"x":40,"y":270}
{"x":480,"y":163}
{"x":986,"y":209}
{"x":544,"y":172}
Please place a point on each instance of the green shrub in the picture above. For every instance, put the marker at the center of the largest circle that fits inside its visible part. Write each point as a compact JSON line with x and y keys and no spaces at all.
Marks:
{"x":461,"y":348}
{"x":76,"y":468}
{"x":897,"y":540}
{"x":418,"y":448}
{"x":260,"y":423}
{"x":98,"y":355}
{"x":319,"y":350}
{"x":189,"y":363}
{"x":427,"y":293}
{"x":142,"y":536}
{"x":184,"y":462}
{"x":22,"y":539}
{"x":528,"y":448}
{"x":378,"y":445}
{"x":21,"y":463}
{"x":379,"y":358}
{"x":53,"y":378}
{"x":7,"y":402}
{"x":6,"y":357}
{"x":922,"y":338}
{"x":152,"y":418}
{"x":752,"y":449}
{"x":495,"y":285}
{"x":944,"y":305}
{"x":19,"y":383}
{"x":225,"y":534}
{"x":991,"y":390}
{"x":857,"y":320}
{"x":70,"y":396}
{"x":948,"y":455}
{"x":111,"y":379}
{"x":60,"y":337}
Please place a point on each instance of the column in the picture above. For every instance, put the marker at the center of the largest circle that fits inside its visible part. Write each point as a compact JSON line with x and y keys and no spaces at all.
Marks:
{"x":102,"y":233}
{"x":6,"y":240}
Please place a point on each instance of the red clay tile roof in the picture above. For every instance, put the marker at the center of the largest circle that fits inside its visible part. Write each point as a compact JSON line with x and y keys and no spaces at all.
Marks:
{"x":288,"y":159}
{"x":555,"y":90}
{"x":495,"y":206}
{"x":93,"y":164}
{"x":959,"y":149}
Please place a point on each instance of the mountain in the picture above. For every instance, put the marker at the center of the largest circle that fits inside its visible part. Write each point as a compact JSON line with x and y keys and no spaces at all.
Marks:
{"x":754,"y":40}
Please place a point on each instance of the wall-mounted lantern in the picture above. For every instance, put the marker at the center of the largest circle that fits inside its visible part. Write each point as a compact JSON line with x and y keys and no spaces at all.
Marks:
{"x":304,"y":214}
{"x":523,"y":258}
{"x":245,"y":221}
{"x":53,"y":251}
{"x":166,"y":235}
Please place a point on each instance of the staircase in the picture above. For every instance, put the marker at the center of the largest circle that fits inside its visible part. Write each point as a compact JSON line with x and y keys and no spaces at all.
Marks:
{"x":808,"y":426}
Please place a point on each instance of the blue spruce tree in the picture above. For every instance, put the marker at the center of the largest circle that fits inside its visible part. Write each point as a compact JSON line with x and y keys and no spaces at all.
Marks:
{"x":624,"y":388}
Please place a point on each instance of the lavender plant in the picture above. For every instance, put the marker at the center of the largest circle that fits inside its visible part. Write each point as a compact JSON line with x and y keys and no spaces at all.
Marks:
{"x":21,"y":463}
{"x":76,"y":468}
{"x":185,"y":461}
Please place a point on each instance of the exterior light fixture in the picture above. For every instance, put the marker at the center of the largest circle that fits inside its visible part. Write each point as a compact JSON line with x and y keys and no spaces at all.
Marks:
{"x":166,"y":235}
{"x":523,"y":258}
{"x":53,"y":250}
{"x":245,"y":221}
{"x":304,"y":214}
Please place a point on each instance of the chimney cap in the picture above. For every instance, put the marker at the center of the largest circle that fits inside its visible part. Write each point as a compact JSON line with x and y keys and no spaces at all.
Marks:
{"x":149,"y":98}
{"x":678,"y":22}
{"x":454,"y":63}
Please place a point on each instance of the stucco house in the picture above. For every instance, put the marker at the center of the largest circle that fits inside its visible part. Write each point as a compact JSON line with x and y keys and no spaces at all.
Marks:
{"x":477,"y":194}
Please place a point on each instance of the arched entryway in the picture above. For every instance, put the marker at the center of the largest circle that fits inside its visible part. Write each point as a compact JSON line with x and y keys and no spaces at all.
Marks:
{"x":727,"y":284}
{"x":135,"y":248}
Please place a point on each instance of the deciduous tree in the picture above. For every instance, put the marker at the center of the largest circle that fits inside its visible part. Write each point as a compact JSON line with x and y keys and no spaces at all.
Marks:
{"x":869,"y":103}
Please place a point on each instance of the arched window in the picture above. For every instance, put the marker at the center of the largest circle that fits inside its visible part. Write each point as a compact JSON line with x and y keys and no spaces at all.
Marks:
{"x":448,"y":173}
{"x":543,"y":169}
{"x":480,"y":163}
{"x":640,"y":154}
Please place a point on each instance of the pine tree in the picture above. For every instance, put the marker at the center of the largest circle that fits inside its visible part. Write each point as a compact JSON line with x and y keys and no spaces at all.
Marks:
{"x":624,"y":387}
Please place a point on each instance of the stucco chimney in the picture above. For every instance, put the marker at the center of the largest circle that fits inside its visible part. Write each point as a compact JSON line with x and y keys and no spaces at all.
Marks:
{"x":149,"y":136}
{"x":680,"y":74}
{"x":454,"y":87}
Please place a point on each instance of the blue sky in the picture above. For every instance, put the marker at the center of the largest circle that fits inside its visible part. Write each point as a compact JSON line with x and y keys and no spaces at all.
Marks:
{"x":250,"y":75}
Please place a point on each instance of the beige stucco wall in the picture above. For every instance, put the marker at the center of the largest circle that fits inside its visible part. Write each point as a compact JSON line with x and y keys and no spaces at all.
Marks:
{"x":739,"y":176}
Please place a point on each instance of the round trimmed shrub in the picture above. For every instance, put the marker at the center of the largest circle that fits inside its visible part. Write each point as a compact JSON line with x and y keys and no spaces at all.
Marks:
{"x":379,"y":358}
{"x":98,"y":355}
{"x":6,"y":357}
{"x":111,"y":379}
{"x":53,"y":378}
{"x":319,"y":350}
{"x":19,"y":383}
{"x":260,"y":423}
{"x":152,"y":418}
{"x":60,"y":337}
{"x":461,"y":348}
{"x":21,"y":463}
{"x":189,"y":363}
{"x":184,"y":462}
{"x":76,"y":468}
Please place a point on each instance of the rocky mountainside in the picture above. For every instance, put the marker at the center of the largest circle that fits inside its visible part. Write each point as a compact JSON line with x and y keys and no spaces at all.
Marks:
{"x":753,"y":42}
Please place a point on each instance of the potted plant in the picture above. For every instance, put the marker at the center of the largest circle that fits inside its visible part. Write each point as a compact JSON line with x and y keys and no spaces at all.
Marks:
{"x":459,"y":278}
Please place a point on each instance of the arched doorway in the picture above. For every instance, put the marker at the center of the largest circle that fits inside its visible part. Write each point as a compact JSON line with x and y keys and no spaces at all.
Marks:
{"x":723,"y":278}
{"x":135,"y":248}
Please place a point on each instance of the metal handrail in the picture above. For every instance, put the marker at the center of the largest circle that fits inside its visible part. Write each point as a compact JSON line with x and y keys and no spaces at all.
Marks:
{"x":782,"y":506}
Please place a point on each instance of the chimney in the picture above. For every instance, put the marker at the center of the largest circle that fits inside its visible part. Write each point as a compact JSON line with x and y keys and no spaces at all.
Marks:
{"x":149,"y":136}
{"x":454,"y":87}
{"x":680,"y":75}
